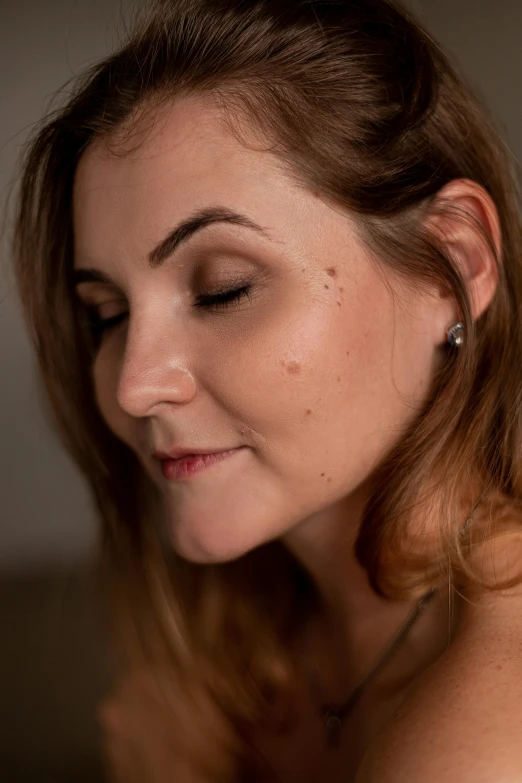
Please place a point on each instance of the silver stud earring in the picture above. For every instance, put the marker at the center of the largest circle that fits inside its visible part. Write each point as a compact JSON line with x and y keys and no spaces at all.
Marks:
{"x":456,"y":335}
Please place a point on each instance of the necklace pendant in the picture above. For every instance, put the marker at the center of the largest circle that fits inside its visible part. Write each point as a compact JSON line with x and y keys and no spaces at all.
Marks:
{"x":333,"y":724}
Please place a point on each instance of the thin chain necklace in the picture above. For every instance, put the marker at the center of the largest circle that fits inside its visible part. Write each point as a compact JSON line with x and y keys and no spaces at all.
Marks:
{"x":334,"y":715}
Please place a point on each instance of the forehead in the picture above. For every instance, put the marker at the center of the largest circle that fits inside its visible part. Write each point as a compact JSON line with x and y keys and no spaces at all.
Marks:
{"x":185,"y":133}
{"x":131,"y":191}
{"x":184,"y":143}
{"x":180,"y":158}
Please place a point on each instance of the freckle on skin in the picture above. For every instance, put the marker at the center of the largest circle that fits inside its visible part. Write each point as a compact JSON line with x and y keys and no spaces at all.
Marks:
{"x":338,"y":302}
{"x":347,"y":353}
{"x":329,"y":479}
{"x":308,"y":412}
{"x":331,"y":271}
{"x":338,"y":379}
{"x":323,"y":474}
{"x":341,"y":290}
{"x":327,"y":286}
{"x":294,"y":368}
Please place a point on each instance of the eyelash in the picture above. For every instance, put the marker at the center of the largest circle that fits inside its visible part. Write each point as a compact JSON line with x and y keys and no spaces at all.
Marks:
{"x":218,"y":301}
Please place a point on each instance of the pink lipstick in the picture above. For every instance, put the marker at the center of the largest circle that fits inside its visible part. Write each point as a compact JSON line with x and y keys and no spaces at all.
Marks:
{"x":174,"y":469}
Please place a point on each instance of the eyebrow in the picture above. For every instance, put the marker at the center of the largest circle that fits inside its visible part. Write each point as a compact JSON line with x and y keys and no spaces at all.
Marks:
{"x":180,"y":234}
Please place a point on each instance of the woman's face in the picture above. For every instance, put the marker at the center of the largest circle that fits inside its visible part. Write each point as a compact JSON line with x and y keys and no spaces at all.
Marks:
{"x":315,"y":373}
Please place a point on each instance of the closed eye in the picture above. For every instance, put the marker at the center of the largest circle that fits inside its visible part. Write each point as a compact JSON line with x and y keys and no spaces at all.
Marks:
{"x":97,"y":326}
{"x":218,"y":301}
{"x":224,"y":299}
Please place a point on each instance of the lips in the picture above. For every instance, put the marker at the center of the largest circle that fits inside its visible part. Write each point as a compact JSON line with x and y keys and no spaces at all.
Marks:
{"x":180,"y":453}
{"x":189,"y":465}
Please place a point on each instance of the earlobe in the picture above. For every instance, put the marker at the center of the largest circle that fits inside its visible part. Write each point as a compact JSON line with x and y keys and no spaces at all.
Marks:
{"x":465,"y":218}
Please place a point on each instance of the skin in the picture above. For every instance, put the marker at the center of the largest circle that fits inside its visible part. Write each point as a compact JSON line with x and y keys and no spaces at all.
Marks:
{"x":316,"y":376}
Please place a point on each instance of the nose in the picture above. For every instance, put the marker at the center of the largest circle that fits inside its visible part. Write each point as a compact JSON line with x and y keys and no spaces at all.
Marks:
{"x":154,"y":371}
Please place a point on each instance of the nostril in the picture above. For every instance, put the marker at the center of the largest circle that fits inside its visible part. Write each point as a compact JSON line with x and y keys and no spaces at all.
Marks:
{"x":141,"y":392}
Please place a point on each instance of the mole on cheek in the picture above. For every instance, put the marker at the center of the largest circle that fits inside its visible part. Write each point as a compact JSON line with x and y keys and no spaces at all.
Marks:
{"x":308,"y":412}
{"x":293,"y":368}
{"x":331,"y":271}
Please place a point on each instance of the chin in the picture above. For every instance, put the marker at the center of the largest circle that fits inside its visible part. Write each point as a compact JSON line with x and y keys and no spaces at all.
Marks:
{"x":197,"y":546}
{"x":204,"y":551}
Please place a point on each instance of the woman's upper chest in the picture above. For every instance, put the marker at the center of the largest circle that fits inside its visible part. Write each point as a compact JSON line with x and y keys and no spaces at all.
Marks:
{"x":302,"y":755}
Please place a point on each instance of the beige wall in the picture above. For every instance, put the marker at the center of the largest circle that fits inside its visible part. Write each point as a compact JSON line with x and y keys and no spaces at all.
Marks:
{"x":484,"y":38}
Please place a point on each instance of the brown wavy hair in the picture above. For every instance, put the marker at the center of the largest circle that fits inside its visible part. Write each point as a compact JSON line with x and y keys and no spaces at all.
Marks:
{"x":360,"y":104}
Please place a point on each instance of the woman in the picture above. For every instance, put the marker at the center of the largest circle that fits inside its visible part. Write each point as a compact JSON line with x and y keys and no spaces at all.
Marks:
{"x":285,"y":234}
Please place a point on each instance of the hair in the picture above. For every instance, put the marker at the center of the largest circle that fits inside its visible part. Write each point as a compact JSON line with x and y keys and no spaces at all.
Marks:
{"x":360,"y":104}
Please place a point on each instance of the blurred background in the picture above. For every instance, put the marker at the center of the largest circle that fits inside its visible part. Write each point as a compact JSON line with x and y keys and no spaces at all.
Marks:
{"x":52,"y":661}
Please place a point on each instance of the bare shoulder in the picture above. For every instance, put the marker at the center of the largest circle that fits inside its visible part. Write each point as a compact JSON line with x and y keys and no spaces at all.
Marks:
{"x":463,"y":720}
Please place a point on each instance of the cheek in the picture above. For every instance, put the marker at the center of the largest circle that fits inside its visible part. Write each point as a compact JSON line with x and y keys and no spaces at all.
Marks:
{"x":325,"y":389}
{"x":296,"y":382}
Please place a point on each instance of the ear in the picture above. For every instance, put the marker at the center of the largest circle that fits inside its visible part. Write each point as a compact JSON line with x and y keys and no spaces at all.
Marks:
{"x":464,"y":240}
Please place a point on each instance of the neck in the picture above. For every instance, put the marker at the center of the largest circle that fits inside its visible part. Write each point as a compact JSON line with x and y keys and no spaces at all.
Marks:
{"x":354,"y":624}
{"x":324,"y":546}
